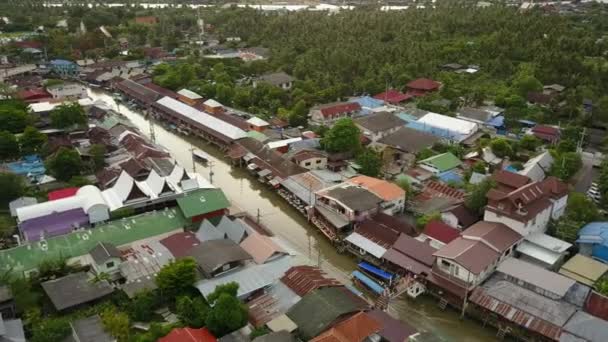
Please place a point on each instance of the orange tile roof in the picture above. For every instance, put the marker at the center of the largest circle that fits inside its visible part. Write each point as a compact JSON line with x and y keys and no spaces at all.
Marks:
{"x":354,"y":329}
{"x":261,"y":247}
{"x":386,"y":190}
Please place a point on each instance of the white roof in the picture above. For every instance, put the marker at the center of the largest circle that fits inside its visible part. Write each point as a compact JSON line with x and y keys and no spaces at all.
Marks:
{"x":208,"y":232}
{"x":537,"y":276}
{"x":46,"y":208}
{"x":282,"y":143}
{"x":366,"y":244}
{"x":537,"y":167}
{"x":212,"y":103}
{"x":189,"y":94}
{"x":257,"y":122}
{"x":449,"y":123}
{"x":202,"y":118}
{"x":91,"y":196}
{"x":49,"y":106}
{"x":155,"y":183}
{"x":538,"y":253}
{"x":250,"y":278}
{"x":548,"y":242}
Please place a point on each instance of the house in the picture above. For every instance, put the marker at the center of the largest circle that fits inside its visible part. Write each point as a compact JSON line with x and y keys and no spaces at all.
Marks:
{"x":106,"y":259}
{"x":374,"y":236}
{"x":328,"y":114}
{"x":257,"y":124}
{"x":438,"y":234}
{"x":593,"y":240}
{"x":392,"y":195}
{"x":378,"y":125}
{"x":11,"y":330}
{"x":422,"y":87}
{"x":215,"y":257}
{"x":310,"y":159}
{"x":203,"y":204}
{"x":584,"y":327}
{"x":304,"y":279}
{"x":411,"y":256}
{"x":34,"y":95}
{"x":147,"y":20}
{"x":440,"y":163}
{"x":64,"y":68}
{"x":545,"y":133}
{"x":459,"y":216}
{"x":471,"y":258}
{"x":553,"y":89}
{"x":262,"y":248}
{"x":179,"y":244}
{"x":597,"y":305}
{"x":277,"y":79}
{"x":393,"y":97}
{"x":541,"y":98}
{"x":507,"y":181}
{"x":584,"y":269}
{"x":402,"y":145}
{"x":189,"y":335}
{"x":528,"y":208}
{"x":189,"y":97}
{"x":276,"y":336}
{"x":67,"y":91}
{"x":445,"y":127}
{"x":343,"y":204}
{"x":357,"y":328}
{"x":538,"y":167}
{"x":75,"y":289}
{"x":90,"y":329}
{"x":393,"y":330}
{"x":543,"y":250}
{"x":319,"y":310}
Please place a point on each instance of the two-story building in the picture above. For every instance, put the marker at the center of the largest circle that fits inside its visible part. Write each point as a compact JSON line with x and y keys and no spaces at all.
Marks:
{"x":106,"y":259}
{"x":67,"y":91}
{"x":379,"y":125}
{"x":471,"y":258}
{"x":529,"y":208}
{"x":328,"y":114}
{"x":392,"y":195}
{"x":310,"y":159}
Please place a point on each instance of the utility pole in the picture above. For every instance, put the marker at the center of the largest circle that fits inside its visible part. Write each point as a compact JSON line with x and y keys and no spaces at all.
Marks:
{"x":258,"y":216}
{"x":466,"y":293}
{"x":579,"y":146}
{"x":192,"y":157}
{"x":210,"y":171}
{"x":152,"y":132}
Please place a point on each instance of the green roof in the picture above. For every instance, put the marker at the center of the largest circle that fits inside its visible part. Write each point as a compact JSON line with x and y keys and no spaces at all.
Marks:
{"x":202,"y":201}
{"x":443,"y":162}
{"x":261,"y":137}
{"x":119,"y":233}
{"x":318,"y":309}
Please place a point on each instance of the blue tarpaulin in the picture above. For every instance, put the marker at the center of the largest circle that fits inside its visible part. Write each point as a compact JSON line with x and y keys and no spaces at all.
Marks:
{"x":372,"y":285}
{"x":497,"y":121}
{"x":376,"y":271}
{"x":527,"y":123}
{"x":450,"y":177}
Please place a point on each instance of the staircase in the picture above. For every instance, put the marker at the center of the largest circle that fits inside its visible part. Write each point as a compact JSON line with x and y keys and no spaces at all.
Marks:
{"x":443,"y":303}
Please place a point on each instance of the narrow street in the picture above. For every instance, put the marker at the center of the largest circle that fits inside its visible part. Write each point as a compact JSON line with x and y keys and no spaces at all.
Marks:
{"x":283,"y":220}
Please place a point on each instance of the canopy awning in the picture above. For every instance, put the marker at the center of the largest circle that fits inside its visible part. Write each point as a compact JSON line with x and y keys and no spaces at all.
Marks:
{"x":375,"y":271}
{"x":367,"y":281}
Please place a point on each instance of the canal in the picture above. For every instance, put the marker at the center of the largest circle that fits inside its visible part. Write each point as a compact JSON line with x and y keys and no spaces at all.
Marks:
{"x":283,"y":220}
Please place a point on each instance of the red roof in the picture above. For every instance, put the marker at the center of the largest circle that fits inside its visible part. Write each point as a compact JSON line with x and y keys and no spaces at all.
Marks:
{"x":548,"y":130}
{"x":180,"y":243}
{"x":62,"y":193}
{"x":29,"y":44}
{"x":305,"y":279}
{"x":33,"y":94}
{"x":510,"y":180}
{"x":424,"y":84}
{"x":188,"y":335}
{"x":339,"y":108}
{"x":441,"y":231}
{"x":393,"y":96}
{"x":597,"y":305}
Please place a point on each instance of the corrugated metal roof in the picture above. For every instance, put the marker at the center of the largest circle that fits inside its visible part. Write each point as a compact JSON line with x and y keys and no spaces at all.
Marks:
{"x":584,"y":269}
{"x":366,"y":245}
{"x":189,"y":94}
{"x":202,"y":118}
{"x":537,"y":276}
{"x":252,"y":277}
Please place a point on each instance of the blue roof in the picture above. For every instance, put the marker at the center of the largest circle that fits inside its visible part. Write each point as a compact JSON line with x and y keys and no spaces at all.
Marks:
{"x":61,"y":62}
{"x":594,"y":233}
{"x":372,"y":285}
{"x":497,"y":121}
{"x":31,"y":165}
{"x":450,"y":176}
{"x":510,"y":168}
{"x":367,"y":101}
{"x":376,"y":271}
{"x":527,"y":122}
{"x":406,"y":117}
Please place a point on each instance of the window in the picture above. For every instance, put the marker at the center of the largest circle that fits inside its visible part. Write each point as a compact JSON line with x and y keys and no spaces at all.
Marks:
{"x":445,"y":263}
{"x":318,"y":161}
{"x":307,"y":164}
{"x":110,"y":264}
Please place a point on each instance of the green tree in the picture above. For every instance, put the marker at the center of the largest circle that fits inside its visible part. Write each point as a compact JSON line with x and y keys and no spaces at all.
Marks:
{"x":423,"y":220}
{"x":68,"y":115}
{"x":98,"y":153}
{"x":13,"y":187}
{"x":581,"y":209}
{"x":370,"y":162}
{"x":9,"y":148}
{"x":566,"y":165}
{"x":479,"y":167}
{"x":51,"y":329}
{"x":344,"y":136}
{"x":65,"y":164}
{"x":526,"y":84}
{"x":32,"y":140}
{"x":227,"y":313}
{"x":477,"y":200}
{"x":425,"y":153}
{"x":116,"y":323}
{"x":141,"y":308}
{"x":177,"y":278}
{"x":192,"y":312}
{"x":501,"y":147}
{"x":298,"y":116}
{"x":529,"y":142}
{"x":13,"y":116}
